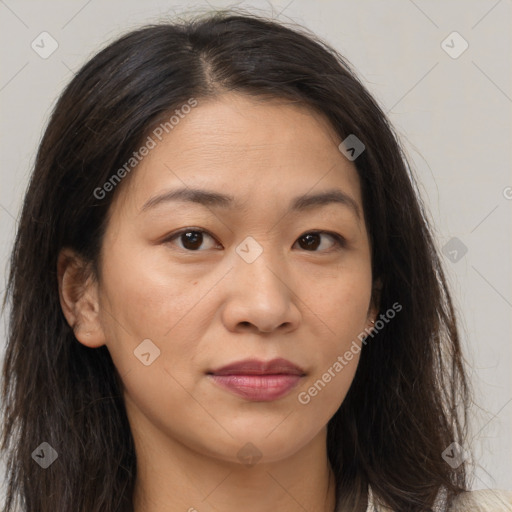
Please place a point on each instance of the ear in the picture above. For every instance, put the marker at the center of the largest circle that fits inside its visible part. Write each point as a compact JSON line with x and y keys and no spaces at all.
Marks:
{"x":373,"y":310}
{"x":78,"y":293}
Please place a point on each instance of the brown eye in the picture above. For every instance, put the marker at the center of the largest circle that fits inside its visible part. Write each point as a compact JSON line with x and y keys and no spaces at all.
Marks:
{"x":191,"y":239}
{"x":311,"y":241}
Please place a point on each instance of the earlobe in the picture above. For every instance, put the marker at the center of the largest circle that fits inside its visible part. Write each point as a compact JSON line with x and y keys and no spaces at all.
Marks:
{"x":78,"y":294}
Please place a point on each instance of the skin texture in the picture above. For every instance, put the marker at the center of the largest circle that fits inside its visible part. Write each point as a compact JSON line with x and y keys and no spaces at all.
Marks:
{"x":206,"y":308}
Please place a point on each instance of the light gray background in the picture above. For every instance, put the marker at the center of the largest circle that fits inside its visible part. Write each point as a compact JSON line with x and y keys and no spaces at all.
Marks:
{"x":454,"y":115}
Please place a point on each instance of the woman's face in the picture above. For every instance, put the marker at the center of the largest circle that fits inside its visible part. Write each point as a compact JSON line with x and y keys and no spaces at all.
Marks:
{"x":193,"y":284}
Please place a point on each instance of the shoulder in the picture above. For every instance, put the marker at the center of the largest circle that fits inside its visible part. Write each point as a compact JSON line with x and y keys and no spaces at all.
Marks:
{"x":488,"y":500}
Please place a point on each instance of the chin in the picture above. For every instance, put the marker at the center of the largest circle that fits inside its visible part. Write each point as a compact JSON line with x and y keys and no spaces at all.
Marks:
{"x":267,"y":444}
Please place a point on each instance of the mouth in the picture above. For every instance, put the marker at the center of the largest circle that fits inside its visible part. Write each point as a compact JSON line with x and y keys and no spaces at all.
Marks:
{"x":258,"y":381}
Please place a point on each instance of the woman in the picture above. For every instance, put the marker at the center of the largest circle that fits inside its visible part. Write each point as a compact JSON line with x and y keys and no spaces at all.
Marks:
{"x":225,"y":291}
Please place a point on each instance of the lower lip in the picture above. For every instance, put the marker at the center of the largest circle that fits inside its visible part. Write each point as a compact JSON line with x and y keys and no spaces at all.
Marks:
{"x":259,"y":388}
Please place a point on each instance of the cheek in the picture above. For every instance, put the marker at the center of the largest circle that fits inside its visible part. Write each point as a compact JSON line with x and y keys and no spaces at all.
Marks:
{"x":325,"y":391}
{"x":158,"y":401}
{"x":341,"y":306}
{"x":342,"y":302}
{"x":335,"y":363}
{"x":139,"y":301}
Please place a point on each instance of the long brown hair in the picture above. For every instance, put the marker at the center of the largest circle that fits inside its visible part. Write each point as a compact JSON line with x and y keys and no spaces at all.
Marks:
{"x":409,"y":399}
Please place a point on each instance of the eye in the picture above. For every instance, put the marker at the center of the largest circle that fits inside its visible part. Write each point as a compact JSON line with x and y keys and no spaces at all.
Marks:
{"x":312,"y":240}
{"x":191,"y":238}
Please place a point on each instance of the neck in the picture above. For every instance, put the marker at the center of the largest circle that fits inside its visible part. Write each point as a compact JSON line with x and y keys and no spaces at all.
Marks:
{"x":172,"y":477}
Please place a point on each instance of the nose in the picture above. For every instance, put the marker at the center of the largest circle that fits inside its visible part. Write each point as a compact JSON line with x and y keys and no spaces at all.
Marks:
{"x":260,"y":298}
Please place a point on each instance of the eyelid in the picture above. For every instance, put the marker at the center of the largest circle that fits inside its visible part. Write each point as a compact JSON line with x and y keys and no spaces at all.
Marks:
{"x":340,"y":241}
{"x":177,"y":234}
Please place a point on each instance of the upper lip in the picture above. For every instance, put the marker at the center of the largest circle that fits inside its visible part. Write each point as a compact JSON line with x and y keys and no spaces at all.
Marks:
{"x":257,"y":367}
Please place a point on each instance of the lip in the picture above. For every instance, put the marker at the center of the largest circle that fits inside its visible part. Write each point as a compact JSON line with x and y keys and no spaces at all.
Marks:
{"x":261,"y":381}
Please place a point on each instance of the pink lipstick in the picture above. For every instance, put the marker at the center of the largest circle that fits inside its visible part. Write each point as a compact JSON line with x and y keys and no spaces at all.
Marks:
{"x":259,"y":381}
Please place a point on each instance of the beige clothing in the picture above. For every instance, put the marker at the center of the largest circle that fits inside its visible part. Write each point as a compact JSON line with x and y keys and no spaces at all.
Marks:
{"x":488,"y":500}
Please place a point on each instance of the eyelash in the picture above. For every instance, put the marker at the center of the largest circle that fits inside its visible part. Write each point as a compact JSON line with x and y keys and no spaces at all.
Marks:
{"x":339,"y":241}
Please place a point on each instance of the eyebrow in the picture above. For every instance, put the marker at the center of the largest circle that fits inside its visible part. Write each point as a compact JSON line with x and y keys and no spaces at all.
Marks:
{"x":213,"y":199}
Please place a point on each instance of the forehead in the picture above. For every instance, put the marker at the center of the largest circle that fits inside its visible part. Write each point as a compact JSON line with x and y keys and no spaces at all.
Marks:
{"x":258,"y":151}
